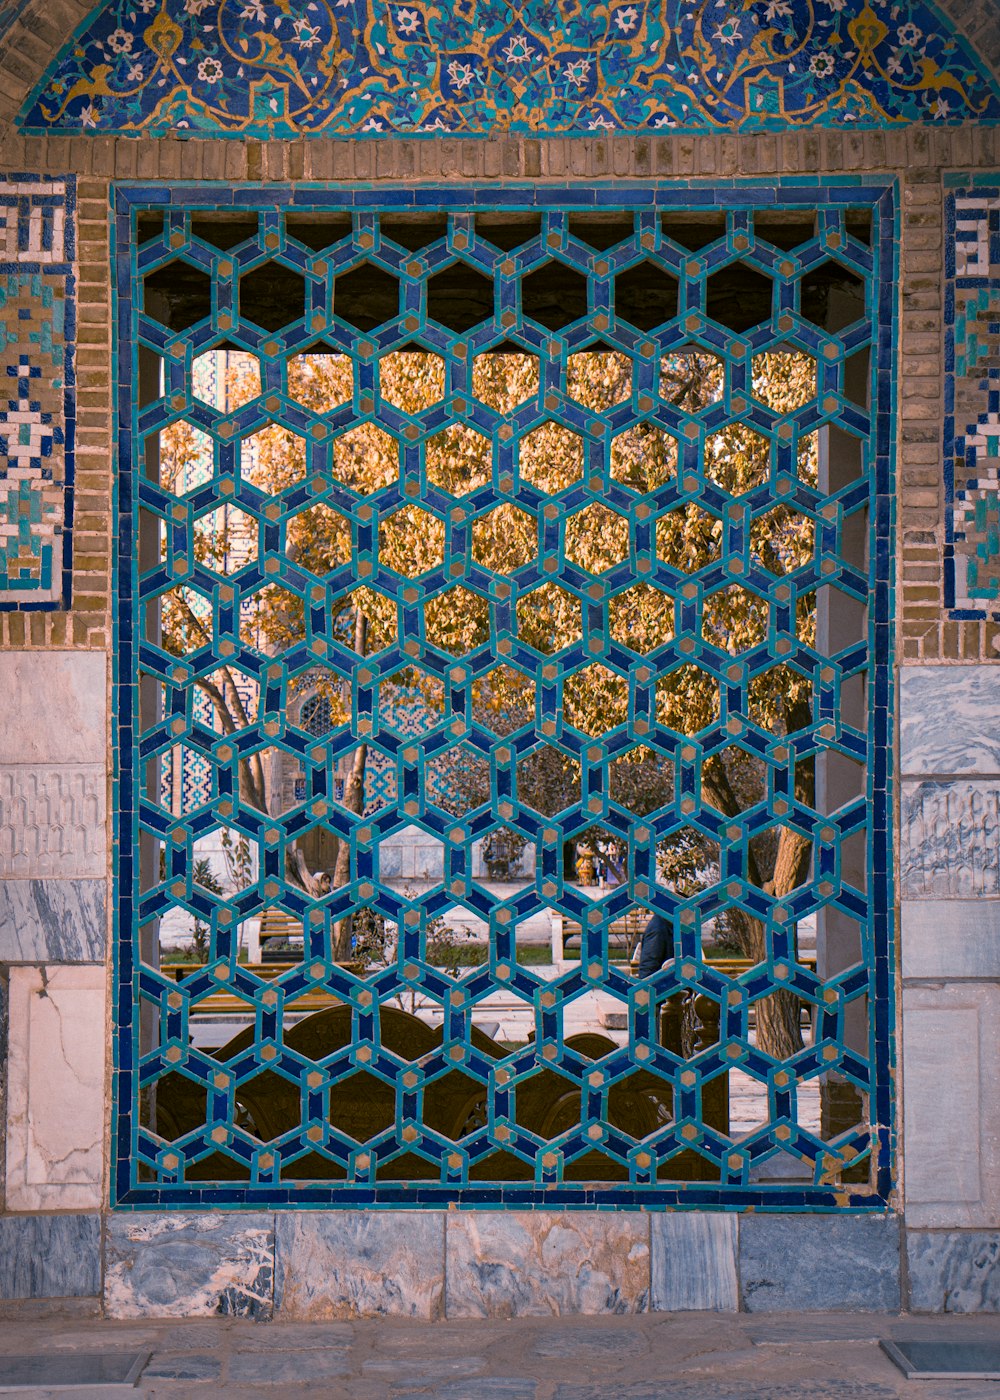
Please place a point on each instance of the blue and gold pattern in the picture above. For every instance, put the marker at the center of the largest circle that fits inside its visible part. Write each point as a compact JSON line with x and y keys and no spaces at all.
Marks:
{"x":972,"y":396}
{"x":214,"y":1155}
{"x":262,"y":68}
{"x":37,"y":390}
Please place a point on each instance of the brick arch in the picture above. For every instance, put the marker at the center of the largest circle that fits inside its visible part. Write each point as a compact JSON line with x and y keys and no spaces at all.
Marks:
{"x":32,"y":33}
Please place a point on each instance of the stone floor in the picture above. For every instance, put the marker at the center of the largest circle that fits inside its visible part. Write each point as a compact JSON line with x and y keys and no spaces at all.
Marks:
{"x":660,"y":1356}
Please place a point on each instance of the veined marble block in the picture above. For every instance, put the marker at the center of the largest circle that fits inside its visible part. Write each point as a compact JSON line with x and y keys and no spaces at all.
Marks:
{"x":55,"y":1093}
{"x":694,"y":1262}
{"x":542,"y":1264}
{"x":799,"y":1263}
{"x":949,"y":719}
{"x":950,"y":839}
{"x":359,"y":1264}
{"x":953,"y":1271}
{"x":52,"y":921}
{"x":189,"y":1265}
{"x":55,"y":707}
{"x":950,"y":938}
{"x":951,"y":1104}
{"x":50,"y":1256}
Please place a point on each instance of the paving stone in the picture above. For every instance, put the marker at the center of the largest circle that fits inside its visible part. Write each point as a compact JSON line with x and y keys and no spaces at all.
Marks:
{"x":726,"y":1390}
{"x":425,"y":1368}
{"x":309,"y":1336}
{"x":183,"y":1367}
{"x":489,"y":1388}
{"x":575,"y":1342}
{"x":782,"y":1331}
{"x":278,"y":1367}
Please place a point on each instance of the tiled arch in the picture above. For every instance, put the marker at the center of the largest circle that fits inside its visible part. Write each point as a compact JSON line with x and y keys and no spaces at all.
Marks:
{"x":936,"y":81}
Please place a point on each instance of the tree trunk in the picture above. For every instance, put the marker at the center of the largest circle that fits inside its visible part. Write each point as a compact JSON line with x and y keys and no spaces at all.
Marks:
{"x":779,"y":1031}
{"x":354,"y":801}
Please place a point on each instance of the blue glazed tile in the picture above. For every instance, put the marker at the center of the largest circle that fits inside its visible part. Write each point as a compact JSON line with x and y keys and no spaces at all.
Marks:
{"x":620,"y":90}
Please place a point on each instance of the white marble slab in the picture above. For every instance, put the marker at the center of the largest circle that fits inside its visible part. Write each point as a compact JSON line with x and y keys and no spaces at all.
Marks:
{"x":694,"y":1262}
{"x":951,"y":1105}
{"x":54,"y":707}
{"x":55,"y":1101}
{"x":950,"y":938}
{"x":52,"y":921}
{"x":949,"y":719}
{"x":545,"y":1264}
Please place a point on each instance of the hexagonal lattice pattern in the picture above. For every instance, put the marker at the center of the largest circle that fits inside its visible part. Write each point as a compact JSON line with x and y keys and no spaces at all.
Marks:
{"x":495,"y":587}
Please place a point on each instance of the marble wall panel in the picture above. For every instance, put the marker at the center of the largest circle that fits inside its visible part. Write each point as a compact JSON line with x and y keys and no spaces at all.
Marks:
{"x":541,"y":1264}
{"x":950,"y":938}
{"x":54,"y":708}
{"x":693,"y":1262}
{"x":53,"y":771}
{"x":801,"y":1263}
{"x":949,"y":720}
{"x":951,"y":1104}
{"x":953,"y":1271}
{"x":55,"y":1088}
{"x":52,"y":821}
{"x":50,"y":1256}
{"x":189,"y":1265}
{"x":52,"y":921}
{"x":359,"y":1264}
{"x":950,"y":839}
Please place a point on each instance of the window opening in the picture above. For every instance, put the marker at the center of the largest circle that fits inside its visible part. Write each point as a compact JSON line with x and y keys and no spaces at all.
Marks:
{"x":492,"y":596}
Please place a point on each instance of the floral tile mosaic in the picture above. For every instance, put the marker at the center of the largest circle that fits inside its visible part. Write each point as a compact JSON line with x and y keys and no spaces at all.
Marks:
{"x":972,"y":402}
{"x":37,"y":399}
{"x":244,"y":68}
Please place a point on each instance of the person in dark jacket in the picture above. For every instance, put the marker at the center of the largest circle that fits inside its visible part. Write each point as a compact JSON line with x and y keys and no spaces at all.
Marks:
{"x":656,"y":947}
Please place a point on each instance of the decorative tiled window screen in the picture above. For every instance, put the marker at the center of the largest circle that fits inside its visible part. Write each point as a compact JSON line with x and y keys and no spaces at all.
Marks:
{"x":508,"y":565}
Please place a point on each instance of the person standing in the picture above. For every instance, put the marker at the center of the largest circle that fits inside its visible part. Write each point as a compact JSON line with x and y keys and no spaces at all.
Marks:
{"x":656,"y":947}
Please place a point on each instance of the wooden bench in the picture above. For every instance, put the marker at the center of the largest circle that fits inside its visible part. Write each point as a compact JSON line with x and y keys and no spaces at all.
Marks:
{"x":224,"y":1002}
{"x":622,"y":933}
{"x":275,"y":925}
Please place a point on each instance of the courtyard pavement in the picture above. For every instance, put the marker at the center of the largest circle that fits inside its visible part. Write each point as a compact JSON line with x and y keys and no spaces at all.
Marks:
{"x":658,"y":1356}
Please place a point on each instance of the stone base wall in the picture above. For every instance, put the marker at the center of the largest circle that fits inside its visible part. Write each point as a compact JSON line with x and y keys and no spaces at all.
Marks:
{"x":308,"y":1266}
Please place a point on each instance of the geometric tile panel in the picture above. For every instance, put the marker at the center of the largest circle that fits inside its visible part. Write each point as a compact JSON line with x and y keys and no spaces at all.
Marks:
{"x":37,"y":390}
{"x":972,"y":396}
{"x":599,"y":542}
{"x":373,"y":67}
